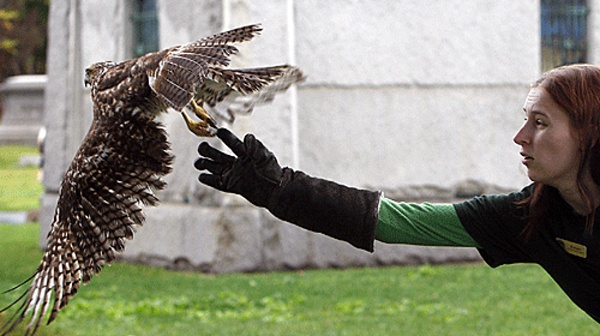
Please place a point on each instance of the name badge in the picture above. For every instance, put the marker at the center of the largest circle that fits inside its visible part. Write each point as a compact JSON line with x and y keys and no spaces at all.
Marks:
{"x":575,"y":249}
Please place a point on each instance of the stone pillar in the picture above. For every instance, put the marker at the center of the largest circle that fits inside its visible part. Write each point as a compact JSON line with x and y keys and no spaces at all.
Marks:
{"x":62,"y":104}
{"x":593,"y":32}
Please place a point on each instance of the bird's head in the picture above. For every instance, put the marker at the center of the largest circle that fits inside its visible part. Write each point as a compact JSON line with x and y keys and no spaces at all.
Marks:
{"x":94,"y":71}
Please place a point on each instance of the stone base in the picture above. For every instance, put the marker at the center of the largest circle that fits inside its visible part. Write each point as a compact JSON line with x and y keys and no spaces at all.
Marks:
{"x":19,"y":134}
{"x":246,"y":239}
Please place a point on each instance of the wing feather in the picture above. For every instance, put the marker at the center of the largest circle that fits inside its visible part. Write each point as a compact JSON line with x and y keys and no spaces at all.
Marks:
{"x":183,"y":68}
{"x":98,"y":208}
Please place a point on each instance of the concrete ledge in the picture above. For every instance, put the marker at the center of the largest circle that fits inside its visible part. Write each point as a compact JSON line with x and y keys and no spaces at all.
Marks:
{"x":13,"y":217}
{"x":246,"y":239}
{"x":19,"y":134}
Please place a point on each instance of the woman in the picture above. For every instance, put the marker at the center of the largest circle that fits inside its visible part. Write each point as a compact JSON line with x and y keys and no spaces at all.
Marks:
{"x":550,"y":222}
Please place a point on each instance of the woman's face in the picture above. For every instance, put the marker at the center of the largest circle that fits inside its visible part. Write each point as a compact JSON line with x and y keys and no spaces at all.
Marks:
{"x":548,"y":146}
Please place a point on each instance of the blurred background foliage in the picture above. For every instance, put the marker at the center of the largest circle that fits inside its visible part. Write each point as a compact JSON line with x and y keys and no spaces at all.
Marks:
{"x":23,"y":37}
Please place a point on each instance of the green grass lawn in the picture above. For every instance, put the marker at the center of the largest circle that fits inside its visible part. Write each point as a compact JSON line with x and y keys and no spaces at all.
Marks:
{"x":19,"y":187}
{"x":427,"y":300}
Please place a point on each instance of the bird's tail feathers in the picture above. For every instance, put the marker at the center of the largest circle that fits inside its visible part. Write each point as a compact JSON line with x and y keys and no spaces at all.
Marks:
{"x":261,"y":86}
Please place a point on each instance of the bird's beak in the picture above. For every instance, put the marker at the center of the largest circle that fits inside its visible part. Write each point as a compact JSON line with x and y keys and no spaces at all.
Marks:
{"x":86,"y":81}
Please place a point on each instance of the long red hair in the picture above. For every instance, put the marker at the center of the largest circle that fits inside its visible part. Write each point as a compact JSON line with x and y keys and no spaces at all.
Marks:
{"x":575,"y":88}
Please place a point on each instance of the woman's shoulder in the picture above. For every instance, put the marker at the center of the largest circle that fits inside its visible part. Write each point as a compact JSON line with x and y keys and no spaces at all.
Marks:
{"x":499,"y":202}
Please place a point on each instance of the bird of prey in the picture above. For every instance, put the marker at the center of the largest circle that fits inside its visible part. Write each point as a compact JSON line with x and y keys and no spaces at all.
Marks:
{"x":125,"y":154}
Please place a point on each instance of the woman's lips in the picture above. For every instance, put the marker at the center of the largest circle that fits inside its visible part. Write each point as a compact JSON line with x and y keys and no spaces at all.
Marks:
{"x":526,"y":158}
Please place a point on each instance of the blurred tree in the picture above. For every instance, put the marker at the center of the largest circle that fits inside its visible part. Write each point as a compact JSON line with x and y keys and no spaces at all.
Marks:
{"x":23,"y":37}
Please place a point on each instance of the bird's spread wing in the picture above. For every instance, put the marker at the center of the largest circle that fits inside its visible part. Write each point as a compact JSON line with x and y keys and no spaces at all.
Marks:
{"x":98,"y":208}
{"x":184,"y":68}
{"x":197,"y":71}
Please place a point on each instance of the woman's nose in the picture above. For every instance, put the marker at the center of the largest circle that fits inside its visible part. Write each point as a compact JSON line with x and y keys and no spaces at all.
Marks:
{"x":522,"y":136}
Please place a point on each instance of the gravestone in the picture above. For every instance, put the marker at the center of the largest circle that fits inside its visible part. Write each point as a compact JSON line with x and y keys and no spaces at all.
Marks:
{"x":23,"y":109}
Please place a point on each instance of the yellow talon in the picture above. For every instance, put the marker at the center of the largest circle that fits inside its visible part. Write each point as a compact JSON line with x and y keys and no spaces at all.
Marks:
{"x":200,"y":128}
{"x":206,"y":126}
{"x":202,"y":114}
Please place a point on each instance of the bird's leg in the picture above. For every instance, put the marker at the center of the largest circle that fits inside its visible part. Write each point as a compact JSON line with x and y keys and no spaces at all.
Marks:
{"x":201,"y":113}
{"x":203,"y":128}
{"x":200,"y":128}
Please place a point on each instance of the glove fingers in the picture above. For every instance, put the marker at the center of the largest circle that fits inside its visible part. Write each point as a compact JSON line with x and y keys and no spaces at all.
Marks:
{"x":231,"y":141}
{"x":211,"y":166}
{"x":211,"y":181}
{"x":216,"y":155}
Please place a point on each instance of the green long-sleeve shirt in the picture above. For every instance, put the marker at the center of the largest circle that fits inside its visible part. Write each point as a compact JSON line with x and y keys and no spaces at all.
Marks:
{"x":563,"y":246}
{"x":421,"y":224}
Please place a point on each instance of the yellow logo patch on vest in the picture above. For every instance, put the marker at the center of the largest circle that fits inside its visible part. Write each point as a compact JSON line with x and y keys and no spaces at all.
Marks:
{"x":575,"y":249}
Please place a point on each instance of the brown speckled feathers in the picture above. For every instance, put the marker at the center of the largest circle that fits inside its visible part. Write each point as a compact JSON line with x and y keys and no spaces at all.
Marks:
{"x":125,"y":155}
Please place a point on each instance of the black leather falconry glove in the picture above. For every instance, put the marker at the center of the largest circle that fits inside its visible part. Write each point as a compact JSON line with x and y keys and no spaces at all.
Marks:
{"x":318,"y":205}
